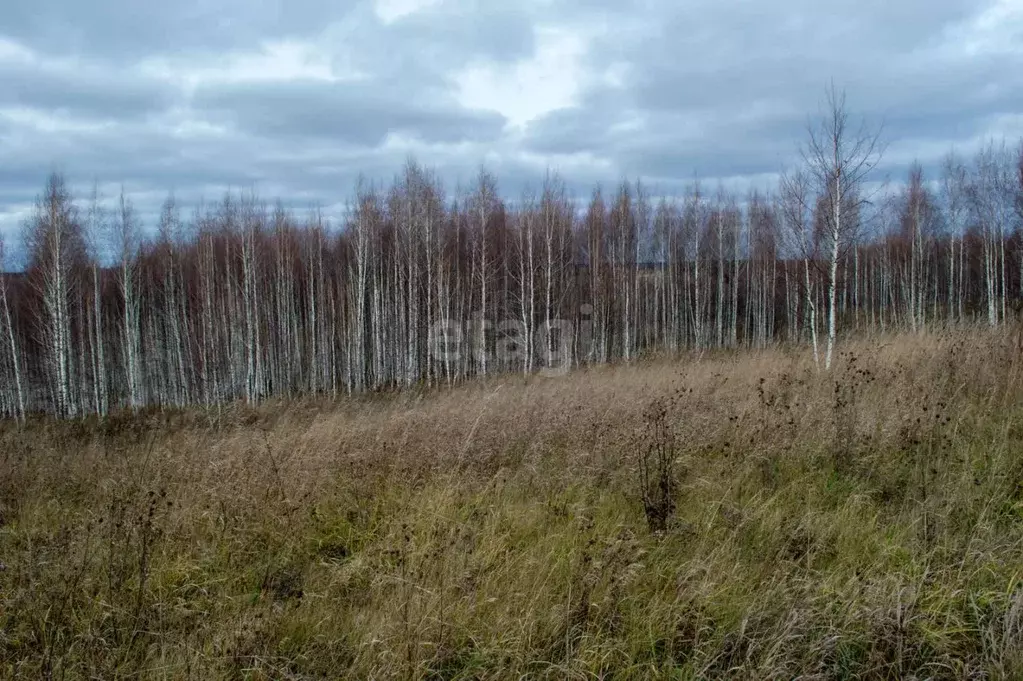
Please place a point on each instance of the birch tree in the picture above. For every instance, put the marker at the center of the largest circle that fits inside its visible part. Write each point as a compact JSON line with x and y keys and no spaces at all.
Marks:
{"x":483,"y":204}
{"x":95,"y":229}
{"x":839,"y":159}
{"x":54,"y":244}
{"x":692,"y":225}
{"x":126,"y":242}
{"x":169,"y":231}
{"x":918,"y":222}
{"x":992,"y":194}
{"x":954,"y":197}
{"x":796,"y":212}
{"x":1019,"y":216}
{"x":556,"y":220}
{"x":526,"y":252}
{"x":12,"y":344}
{"x":595,"y":225}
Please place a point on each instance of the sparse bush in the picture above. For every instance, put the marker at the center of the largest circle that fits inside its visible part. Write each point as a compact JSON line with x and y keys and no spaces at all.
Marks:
{"x":657,"y":467}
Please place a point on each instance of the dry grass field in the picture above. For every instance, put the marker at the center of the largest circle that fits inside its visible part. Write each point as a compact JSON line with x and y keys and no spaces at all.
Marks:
{"x":728,"y":516}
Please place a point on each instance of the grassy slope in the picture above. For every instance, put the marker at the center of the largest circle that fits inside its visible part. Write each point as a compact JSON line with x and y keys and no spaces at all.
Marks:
{"x":866,"y":523}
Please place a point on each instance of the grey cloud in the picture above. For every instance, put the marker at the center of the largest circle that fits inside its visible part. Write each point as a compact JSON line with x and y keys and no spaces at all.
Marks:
{"x":714,"y":144}
{"x":730,"y":56}
{"x":130,"y":30}
{"x":154,"y":163}
{"x":502,"y":33}
{"x":92,"y":93}
{"x":721,"y":89}
{"x":577,"y":129}
{"x":747,"y":77}
{"x":357,"y":113}
{"x":425,"y":49}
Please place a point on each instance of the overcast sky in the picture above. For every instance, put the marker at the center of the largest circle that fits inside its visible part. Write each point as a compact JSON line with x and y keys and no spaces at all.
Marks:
{"x":297,"y":99}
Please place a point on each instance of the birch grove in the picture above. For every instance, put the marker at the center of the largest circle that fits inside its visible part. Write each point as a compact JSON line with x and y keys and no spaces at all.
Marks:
{"x":240,"y":300}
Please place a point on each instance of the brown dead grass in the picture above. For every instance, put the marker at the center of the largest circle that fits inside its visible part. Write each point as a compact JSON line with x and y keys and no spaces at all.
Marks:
{"x":863,"y":523}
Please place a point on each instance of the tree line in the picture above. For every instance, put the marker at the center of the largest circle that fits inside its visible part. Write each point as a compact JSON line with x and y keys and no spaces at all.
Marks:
{"x":243,"y":300}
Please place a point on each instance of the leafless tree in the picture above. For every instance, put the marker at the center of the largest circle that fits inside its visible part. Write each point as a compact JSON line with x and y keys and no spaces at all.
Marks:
{"x":126,"y":240}
{"x":797,"y":212}
{"x":55,"y":247}
{"x":12,"y":344}
{"x":839,"y":159}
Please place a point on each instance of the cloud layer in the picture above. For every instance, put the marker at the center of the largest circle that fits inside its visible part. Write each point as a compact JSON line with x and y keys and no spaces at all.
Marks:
{"x":299,"y":99}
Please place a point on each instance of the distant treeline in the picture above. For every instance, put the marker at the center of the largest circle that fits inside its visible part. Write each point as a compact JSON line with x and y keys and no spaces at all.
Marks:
{"x":240,"y":300}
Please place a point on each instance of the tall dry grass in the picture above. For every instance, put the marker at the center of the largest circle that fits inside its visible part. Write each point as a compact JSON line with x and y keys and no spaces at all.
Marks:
{"x":861,"y":524}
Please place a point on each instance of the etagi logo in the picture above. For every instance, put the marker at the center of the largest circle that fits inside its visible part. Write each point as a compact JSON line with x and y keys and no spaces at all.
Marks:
{"x":550,"y":346}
